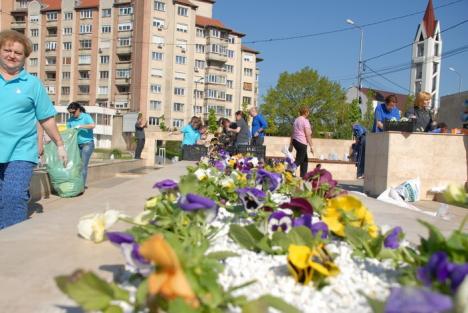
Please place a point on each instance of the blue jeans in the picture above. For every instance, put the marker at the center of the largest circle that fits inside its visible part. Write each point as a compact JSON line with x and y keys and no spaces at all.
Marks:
{"x":86,"y":150}
{"x":15,"y":177}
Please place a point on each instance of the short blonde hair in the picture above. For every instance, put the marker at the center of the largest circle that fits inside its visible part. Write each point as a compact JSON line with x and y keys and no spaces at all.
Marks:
{"x":10,"y":35}
{"x":421,"y":97}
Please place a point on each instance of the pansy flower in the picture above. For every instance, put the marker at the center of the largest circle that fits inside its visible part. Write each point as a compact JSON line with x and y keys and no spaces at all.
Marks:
{"x":321,"y":179}
{"x":411,"y":300}
{"x":134,"y":261}
{"x":291,"y":166}
{"x":279,"y":221}
{"x":251,"y":198}
{"x":299,"y":205}
{"x":166,"y":185}
{"x":392,"y":239}
{"x":315,"y":228}
{"x":306,"y":264}
{"x":169,"y":280}
{"x":194,"y":203}
{"x":268,"y":180}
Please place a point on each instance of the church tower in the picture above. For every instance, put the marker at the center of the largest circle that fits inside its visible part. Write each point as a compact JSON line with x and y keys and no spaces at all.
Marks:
{"x":426,"y":57}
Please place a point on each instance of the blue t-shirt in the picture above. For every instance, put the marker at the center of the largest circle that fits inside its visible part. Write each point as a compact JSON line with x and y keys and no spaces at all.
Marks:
{"x":381,"y":114}
{"x":24,"y":102}
{"x":85,"y":135}
{"x":191,"y":136}
{"x":257,"y":123}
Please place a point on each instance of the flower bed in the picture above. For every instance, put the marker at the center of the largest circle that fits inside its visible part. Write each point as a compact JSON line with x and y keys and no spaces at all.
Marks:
{"x":235,"y":235}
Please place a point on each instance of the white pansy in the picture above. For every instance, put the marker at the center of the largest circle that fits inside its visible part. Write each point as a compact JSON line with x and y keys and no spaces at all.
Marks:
{"x":254,"y":161}
{"x":143,"y":218}
{"x":279,"y":198}
{"x":200,"y":174}
{"x":205,"y":160}
{"x":93,"y":226}
{"x":227,"y":183}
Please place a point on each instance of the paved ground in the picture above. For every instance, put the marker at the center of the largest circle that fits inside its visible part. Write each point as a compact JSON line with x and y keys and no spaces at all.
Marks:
{"x":47,"y":245}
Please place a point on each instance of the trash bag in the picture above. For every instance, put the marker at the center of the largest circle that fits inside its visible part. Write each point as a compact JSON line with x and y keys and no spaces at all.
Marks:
{"x":409,"y":190}
{"x":66,"y":181}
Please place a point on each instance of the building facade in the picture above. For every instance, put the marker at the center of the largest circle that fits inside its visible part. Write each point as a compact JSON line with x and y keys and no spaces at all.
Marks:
{"x":426,"y":57}
{"x":169,"y":59}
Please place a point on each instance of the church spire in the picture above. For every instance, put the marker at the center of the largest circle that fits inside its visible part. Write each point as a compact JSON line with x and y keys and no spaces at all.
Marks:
{"x":429,"y":20}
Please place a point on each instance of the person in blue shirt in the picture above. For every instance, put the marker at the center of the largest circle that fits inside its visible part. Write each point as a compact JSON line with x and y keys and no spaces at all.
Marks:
{"x":258,"y":127}
{"x":85,"y":124}
{"x":24,"y":102}
{"x":385,"y":111}
{"x":191,"y":131}
{"x":359,"y":133}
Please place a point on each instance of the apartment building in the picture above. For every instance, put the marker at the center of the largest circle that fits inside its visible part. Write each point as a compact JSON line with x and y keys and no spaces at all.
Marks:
{"x":169,"y":59}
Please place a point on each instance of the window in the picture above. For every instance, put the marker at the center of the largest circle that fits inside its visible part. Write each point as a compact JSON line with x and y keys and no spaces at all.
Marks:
{"x":248,"y":58}
{"x":215,"y":79}
{"x":228,"y":112}
{"x":35,"y":47}
{"x":84,"y":59}
{"x":200,"y":48}
{"x":125,"y":27}
{"x":246,"y":100}
{"x":67,"y":31}
{"x":178,"y":107}
{"x":180,"y":59}
{"x":230,"y":54}
{"x":103,"y":90}
{"x":155,"y":105}
{"x":178,"y":123}
{"x":67,"y":16}
{"x":106,"y":29}
{"x":23,"y":4}
{"x":180,"y":76}
{"x":232,"y":39}
{"x":157,"y":56}
{"x":104,"y":74}
{"x":183,"y":28}
{"x":179,"y":91}
{"x":83,"y":89}
{"x":65,"y":75}
{"x":33,"y":61}
{"x":157,"y":72}
{"x":106,"y":12}
{"x":125,"y":11}
{"x":51,"y":46}
{"x":51,"y":60}
{"x":66,"y":60}
{"x":158,"y":23}
{"x":229,"y":68}
{"x":86,"y":28}
{"x":34,"y":18}
{"x":215,"y":33}
{"x":51,"y":16}
{"x":88,"y":13}
{"x":435,"y":67}
{"x":200,"y":64}
{"x":248,"y":86}
{"x":200,"y":32}
{"x":198,"y":94}
{"x":217,"y":48}
{"x":197,"y":110}
{"x":420,"y":50}
{"x":104,"y":59}
{"x":418,"y":70}
{"x":65,"y":91}
{"x":34,"y":32}
{"x":215,"y":94}
{"x":159,"y":6}
{"x":181,"y":44}
{"x":434,"y":83}
{"x":228,"y":98}
{"x":182,"y":11}
{"x":67,"y":45}
{"x":229,"y":83}
{"x":85,"y":44}
{"x":84,"y":74}
{"x":125,"y":42}
{"x":158,"y":40}
{"x":50,"y":90}
{"x":436,"y":49}
{"x":122,"y":73}
{"x":121,"y":105}
{"x":155,"y":88}
{"x":248,"y":72}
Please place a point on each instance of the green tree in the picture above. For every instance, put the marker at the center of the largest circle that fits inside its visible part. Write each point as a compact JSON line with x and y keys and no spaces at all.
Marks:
{"x":409,"y":103}
{"x":162,"y":123}
{"x":212,"y":122}
{"x":306,"y":87}
{"x":348,"y":114}
{"x":368,"y":120}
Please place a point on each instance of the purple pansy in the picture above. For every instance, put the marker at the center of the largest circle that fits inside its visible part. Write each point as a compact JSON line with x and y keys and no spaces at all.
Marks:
{"x":320,"y":177}
{"x":303,"y":220}
{"x":320,"y":227}
{"x":298,"y":204}
{"x":193,"y":203}
{"x":457,"y":275}
{"x":279,"y":221}
{"x":134,"y":262}
{"x":392,"y":240}
{"x":166,"y":185}
{"x":414,"y":300}
{"x":438,"y":268}
{"x":268,"y":180}
{"x":220,"y":165}
{"x":315,"y":228}
{"x":251,"y":198}
{"x":291,"y":166}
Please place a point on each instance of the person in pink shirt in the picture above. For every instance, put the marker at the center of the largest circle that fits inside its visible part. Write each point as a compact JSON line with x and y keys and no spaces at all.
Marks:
{"x":300,"y":138}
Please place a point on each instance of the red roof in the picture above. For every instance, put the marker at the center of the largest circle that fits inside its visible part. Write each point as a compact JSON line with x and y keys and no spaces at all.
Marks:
{"x":186,"y":2}
{"x":380,"y":95}
{"x":51,"y":5}
{"x":247,"y":49}
{"x":429,"y":20}
{"x":206,"y":21}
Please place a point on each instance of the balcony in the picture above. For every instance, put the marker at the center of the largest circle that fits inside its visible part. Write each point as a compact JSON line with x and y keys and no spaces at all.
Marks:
{"x":124,"y":50}
{"x":18,"y":24}
{"x":212,"y":56}
{"x":122,"y":81}
{"x":122,"y":1}
{"x":82,"y":97}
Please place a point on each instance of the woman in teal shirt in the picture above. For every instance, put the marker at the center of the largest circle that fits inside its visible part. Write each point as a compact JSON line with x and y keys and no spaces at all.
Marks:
{"x":84,"y":123}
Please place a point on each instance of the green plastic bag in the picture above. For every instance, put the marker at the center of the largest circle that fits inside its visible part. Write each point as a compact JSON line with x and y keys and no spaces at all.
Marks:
{"x":66,"y":181}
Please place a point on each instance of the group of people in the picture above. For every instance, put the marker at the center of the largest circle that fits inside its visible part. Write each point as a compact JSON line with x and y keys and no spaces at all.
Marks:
{"x":25,"y":108}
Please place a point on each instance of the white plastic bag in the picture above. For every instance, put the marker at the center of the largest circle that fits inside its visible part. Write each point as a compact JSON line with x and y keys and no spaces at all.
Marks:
{"x":410,"y":190}
{"x":287,"y":154}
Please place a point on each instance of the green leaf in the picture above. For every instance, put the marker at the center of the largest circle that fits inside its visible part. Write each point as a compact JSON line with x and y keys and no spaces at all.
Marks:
{"x":221,"y":255}
{"x":267,"y":301}
{"x":242,"y":237}
{"x":301,"y":236}
{"x":178,"y":305}
{"x":281,"y":239}
{"x":436,"y":238}
{"x":376,"y":305}
{"x":86,"y":289}
{"x":114,"y":309}
{"x":188,"y":184}
{"x":255,"y":306}
{"x":119,"y":293}
{"x":142,"y":293}
{"x":254,"y":232}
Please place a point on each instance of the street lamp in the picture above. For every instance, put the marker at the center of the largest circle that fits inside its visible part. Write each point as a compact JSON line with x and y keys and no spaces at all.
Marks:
{"x":195,"y":95}
{"x":359,"y":78}
{"x":459,"y":78}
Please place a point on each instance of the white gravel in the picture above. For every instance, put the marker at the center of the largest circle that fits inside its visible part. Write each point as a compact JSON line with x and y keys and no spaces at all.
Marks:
{"x":372,"y":277}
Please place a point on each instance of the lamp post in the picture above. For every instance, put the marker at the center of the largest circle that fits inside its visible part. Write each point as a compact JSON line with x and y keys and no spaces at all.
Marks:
{"x":195,"y":95}
{"x":359,"y":78}
{"x":459,"y":78}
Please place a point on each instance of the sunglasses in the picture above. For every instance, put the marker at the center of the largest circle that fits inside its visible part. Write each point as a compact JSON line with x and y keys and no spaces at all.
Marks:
{"x":72,"y":112}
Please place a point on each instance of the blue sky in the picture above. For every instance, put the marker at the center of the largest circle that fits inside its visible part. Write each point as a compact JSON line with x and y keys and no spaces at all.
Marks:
{"x":335,"y":55}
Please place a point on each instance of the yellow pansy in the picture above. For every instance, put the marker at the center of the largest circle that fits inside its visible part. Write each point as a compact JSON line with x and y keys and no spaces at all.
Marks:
{"x":279,"y":168}
{"x":348,"y":210}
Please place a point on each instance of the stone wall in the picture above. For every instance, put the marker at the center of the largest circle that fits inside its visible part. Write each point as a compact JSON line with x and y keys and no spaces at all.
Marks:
{"x":437,"y":159}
